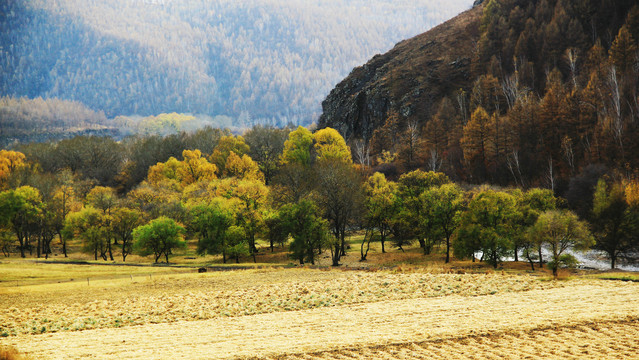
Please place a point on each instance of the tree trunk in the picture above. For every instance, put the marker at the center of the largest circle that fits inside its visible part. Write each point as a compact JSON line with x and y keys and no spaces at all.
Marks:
{"x":109,"y":248}
{"x":447,"y":249}
{"x":541,"y":262}
{"x":336,"y":254}
{"x":64,"y":244}
{"x":613,"y":260}
{"x":516,"y":255}
{"x":363,"y":253}
{"x":532,"y":263}
{"x":383,"y":240}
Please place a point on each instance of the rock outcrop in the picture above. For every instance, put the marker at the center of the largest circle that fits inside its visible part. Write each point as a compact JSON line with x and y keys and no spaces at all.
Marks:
{"x":409,"y":80}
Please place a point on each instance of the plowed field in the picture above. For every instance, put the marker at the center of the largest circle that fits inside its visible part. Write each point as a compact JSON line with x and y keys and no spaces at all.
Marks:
{"x":310,"y":314}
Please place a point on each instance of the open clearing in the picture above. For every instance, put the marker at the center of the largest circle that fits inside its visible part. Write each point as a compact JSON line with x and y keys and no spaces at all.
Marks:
{"x":313,"y":314}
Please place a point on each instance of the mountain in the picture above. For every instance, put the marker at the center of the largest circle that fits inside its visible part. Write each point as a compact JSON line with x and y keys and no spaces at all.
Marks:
{"x":268,"y":61}
{"x":510,"y":92}
{"x":410,"y":79}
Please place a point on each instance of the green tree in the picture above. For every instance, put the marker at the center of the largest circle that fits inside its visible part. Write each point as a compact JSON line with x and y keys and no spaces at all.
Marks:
{"x":561,"y":230}
{"x":211,"y":222}
{"x":308,"y":230}
{"x":411,"y":186}
{"x":20,"y":210}
{"x":236,"y":244}
{"x":297,"y":149}
{"x":275,"y":228}
{"x":381,"y":205}
{"x":124,"y":221}
{"x":614,"y":222}
{"x":444,"y":206}
{"x":159,"y":237}
{"x":488,"y":225}
{"x":252,"y":196}
{"x":531,"y":204}
{"x":93,"y":227}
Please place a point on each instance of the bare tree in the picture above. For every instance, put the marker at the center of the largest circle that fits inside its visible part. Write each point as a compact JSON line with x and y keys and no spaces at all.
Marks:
{"x":550,"y":177}
{"x":512,"y":161}
{"x":569,"y":154}
{"x":462,"y":102}
{"x":571,"y":55}
{"x":362,"y":152}
{"x":616,"y":120}
{"x":434,"y":161}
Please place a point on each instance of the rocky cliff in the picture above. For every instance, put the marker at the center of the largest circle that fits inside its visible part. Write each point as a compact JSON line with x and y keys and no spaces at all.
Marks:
{"x":410,"y":79}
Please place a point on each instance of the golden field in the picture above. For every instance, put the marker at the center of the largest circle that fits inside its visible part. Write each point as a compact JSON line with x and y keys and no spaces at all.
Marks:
{"x":142,"y":312}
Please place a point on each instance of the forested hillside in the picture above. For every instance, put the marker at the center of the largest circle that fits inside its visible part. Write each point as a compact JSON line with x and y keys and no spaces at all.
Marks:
{"x":526,"y":93}
{"x":264,"y":61}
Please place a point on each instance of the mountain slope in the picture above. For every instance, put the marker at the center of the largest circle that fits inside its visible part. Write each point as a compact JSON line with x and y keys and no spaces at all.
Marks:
{"x":511,"y":92}
{"x":410,"y":79}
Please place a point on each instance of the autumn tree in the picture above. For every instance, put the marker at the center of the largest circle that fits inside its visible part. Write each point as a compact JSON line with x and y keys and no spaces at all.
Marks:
{"x":242,"y":168}
{"x":623,"y":51}
{"x":252,"y":196}
{"x":476,"y":143}
{"x":339,"y":195}
{"x":225,"y":146}
{"x":195,"y":168}
{"x":10,"y":161}
{"x":561,"y":230}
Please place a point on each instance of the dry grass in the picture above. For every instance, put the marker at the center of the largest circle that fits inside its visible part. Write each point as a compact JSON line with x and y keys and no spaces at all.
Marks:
{"x":540,"y":324}
{"x":603,"y":340}
{"x":187,"y":297}
{"x":10,"y":353}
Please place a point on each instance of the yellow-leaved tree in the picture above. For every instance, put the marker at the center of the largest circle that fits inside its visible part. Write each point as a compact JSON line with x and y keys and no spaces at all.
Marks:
{"x":330,"y":145}
{"x":10,"y":161}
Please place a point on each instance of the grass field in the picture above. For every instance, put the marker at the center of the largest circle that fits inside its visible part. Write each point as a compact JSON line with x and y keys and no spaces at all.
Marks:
{"x":416,"y":310}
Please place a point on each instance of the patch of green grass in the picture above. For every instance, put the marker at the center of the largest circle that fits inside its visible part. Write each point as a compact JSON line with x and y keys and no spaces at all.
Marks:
{"x":621,"y":276}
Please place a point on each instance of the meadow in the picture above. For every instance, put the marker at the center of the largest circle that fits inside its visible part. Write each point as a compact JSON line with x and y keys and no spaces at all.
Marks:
{"x":418,"y":309}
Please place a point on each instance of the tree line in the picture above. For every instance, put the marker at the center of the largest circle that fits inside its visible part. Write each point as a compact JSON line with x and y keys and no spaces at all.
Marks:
{"x":294,"y":188}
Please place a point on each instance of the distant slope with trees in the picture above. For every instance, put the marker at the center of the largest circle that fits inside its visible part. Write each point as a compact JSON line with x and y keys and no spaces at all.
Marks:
{"x":266,"y":61}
